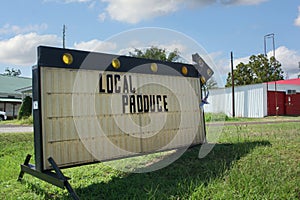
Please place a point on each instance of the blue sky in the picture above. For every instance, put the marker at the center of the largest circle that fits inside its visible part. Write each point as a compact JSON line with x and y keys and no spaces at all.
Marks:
{"x":219,"y":26}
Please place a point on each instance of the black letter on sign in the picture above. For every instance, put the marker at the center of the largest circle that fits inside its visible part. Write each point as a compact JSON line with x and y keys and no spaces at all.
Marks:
{"x":132,"y":89}
{"x":117,"y":88}
{"x":140,"y":103}
{"x":109,"y":83}
{"x":132,"y":104}
{"x":101,"y":90}
{"x":165,"y":102}
{"x":152,"y":103}
{"x":125,"y":85}
{"x":146,"y":103}
{"x":158,"y":99}
{"x":125,"y":102}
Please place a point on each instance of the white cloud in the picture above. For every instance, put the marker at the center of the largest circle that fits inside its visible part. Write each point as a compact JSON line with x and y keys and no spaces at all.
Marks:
{"x":21,"y":49}
{"x":169,"y":47}
{"x":15,"y":30}
{"x":289,"y":60}
{"x":96,"y":45}
{"x":237,"y":61}
{"x":297,"y":20}
{"x":134,"y":11}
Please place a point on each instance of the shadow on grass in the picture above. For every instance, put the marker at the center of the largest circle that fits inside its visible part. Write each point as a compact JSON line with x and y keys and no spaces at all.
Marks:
{"x":178,"y":180}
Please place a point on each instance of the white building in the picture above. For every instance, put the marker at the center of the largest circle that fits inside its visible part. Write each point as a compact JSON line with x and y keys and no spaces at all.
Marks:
{"x":257,"y":100}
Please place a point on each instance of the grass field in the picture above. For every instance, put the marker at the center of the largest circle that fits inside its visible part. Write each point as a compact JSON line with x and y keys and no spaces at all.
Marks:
{"x":24,"y":121}
{"x":248,"y":162}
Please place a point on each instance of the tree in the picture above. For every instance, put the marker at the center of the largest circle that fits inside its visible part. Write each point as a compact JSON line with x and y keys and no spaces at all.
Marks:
{"x":26,"y":108}
{"x":12,"y":72}
{"x":211,"y":83}
{"x":259,"y":69}
{"x":156,"y":53}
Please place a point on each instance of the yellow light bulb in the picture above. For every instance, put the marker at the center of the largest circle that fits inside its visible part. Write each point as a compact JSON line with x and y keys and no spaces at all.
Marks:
{"x":67,"y":58}
{"x":184,"y":70}
{"x":203,"y":80}
{"x":115,"y":63}
{"x":153,"y":67}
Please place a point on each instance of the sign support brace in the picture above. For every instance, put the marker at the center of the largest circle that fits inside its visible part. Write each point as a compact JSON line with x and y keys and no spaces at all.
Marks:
{"x":58,"y":179}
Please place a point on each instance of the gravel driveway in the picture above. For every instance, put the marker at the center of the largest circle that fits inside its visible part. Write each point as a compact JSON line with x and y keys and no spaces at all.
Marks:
{"x":15,"y":128}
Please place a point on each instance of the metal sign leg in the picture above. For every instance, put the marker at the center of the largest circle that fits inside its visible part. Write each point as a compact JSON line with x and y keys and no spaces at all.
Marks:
{"x":57,"y":179}
{"x":61,"y":176}
{"x":26,"y":162}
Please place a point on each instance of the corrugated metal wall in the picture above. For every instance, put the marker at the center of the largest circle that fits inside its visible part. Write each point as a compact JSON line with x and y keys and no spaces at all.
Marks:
{"x":250,"y":101}
{"x":254,"y":101}
{"x":287,"y":104}
{"x":81,"y":125}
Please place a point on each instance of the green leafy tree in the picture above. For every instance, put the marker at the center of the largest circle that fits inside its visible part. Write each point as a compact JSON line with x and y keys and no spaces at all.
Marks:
{"x":259,"y":69}
{"x":12,"y":72}
{"x":156,"y":53}
{"x":26,"y":108}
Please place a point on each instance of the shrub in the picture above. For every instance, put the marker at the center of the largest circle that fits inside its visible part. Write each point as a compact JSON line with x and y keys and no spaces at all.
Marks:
{"x":26,"y":108}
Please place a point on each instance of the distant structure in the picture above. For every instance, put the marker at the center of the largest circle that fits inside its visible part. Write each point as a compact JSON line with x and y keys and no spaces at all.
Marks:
{"x":12,"y":90}
{"x":258,"y":100}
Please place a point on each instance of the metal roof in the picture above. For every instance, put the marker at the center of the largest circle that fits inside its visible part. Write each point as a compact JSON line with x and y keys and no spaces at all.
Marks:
{"x":9,"y":84}
{"x":11,"y":100}
{"x":27,"y":89}
{"x":295,"y":81}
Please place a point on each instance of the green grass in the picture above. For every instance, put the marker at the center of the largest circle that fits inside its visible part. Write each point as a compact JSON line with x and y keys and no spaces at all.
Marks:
{"x":222,"y":117}
{"x":23,"y":121}
{"x":248,"y":162}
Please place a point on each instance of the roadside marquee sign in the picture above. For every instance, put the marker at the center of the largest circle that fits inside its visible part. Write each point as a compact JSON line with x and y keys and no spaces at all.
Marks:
{"x":92,"y":107}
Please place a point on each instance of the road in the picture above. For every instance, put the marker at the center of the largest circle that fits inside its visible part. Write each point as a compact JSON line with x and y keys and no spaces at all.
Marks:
{"x":15,"y":128}
{"x":20,"y":128}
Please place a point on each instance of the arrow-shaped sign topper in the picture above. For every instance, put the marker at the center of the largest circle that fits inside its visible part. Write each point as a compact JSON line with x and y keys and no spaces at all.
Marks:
{"x":204,"y":70}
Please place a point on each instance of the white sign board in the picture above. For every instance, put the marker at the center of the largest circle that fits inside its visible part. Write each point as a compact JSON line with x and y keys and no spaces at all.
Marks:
{"x":88,"y":111}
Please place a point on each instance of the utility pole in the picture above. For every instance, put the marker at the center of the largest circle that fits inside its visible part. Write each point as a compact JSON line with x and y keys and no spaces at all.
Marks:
{"x":64,"y":36}
{"x":299,"y":70}
{"x":232,"y":83}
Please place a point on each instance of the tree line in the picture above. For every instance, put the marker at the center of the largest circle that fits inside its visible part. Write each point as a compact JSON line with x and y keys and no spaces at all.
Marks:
{"x":259,"y":69}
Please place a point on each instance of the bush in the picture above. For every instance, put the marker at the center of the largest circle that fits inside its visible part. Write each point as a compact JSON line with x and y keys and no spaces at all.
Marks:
{"x":26,"y":108}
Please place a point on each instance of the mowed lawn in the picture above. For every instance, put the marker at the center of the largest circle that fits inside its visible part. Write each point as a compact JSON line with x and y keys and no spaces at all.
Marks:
{"x":248,"y":162}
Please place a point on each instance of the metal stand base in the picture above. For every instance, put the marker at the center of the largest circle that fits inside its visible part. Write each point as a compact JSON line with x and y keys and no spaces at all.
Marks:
{"x":57,"y":178}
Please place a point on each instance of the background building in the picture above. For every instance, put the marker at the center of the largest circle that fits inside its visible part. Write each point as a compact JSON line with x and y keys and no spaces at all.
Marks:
{"x":11,"y":93}
{"x":257,"y":100}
